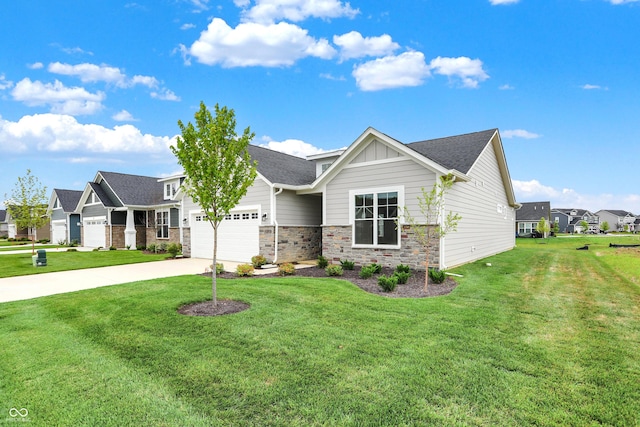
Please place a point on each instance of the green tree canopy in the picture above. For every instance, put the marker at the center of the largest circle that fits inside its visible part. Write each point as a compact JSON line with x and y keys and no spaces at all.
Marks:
{"x":217,"y":166}
{"x":28,"y":205}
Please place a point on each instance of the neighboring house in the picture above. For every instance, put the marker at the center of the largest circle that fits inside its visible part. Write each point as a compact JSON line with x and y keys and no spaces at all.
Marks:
{"x":569,"y":220}
{"x":4,"y":226}
{"x":66,"y":224}
{"x":348,"y":204}
{"x":122,"y":210}
{"x":528,"y":216}
{"x":14,"y":232}
{"x":618,"y":219}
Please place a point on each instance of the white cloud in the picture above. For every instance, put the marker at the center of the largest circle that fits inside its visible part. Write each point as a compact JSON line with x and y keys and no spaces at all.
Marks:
{"x":61,"y":99}
{"x":500,"y":2}
{"x":330,"y":76}
{"x":506,"y":87}
{"x":294,"y":147}
{"x":35,"y":66}
{"x":123,"y":116}
{"x":91,"y":73}
{"x":404,"y":70}
{"x":4,"y":83}
{"x":199,"y":5}
{"x":593,"y":87}
{"x":63,"y":133}
{"x":165,"y":95}
{"x":353,"y":45}
{"x":251,"y":44}
{"x":519,"y":133}
{"x":269,"y":11}
{"x":468,"y":70}
{"x":622,"y":1}
{"x":187,"y":26}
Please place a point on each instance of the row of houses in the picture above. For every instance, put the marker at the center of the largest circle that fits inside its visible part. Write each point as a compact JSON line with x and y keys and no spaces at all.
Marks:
{"x":345,"y":204}
{"x":573,"y":220}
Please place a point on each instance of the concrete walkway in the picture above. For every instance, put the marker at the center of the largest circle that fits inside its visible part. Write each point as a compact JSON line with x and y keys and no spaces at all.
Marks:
{"x":39,"y":285}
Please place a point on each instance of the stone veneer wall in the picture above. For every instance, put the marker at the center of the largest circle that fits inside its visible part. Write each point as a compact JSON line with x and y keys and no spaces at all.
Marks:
{"x":336,"y":246}
{"x":186,"y":242}
{"x":295,"y":243}
{"x":118,"y":235}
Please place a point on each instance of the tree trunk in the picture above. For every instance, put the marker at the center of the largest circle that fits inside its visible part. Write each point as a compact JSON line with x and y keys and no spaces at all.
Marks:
{"x":426,"y":271}
{"x":214,"y":269}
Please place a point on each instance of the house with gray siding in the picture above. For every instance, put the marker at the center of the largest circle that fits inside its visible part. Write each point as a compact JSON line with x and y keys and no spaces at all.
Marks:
{"x":4,"y":226}
{"x":65,"y":223}
{"x":129,"y":211}
{"x":570,"y":219}
{"x":619,"y":220}
{"x":528,"y":216}
{"x":349,"y":204}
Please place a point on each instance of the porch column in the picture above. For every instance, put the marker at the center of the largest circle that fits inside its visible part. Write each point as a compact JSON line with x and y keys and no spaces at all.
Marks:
{"x":130,"y":231}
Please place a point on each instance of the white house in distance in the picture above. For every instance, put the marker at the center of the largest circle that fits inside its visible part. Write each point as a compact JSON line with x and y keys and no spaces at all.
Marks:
{"x":348,"y":204}
{"x":619,"y":220}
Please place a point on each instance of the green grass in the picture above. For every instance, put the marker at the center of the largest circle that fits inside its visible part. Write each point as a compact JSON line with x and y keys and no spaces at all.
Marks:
{"x":545,"y":336}
{"x":22,"y":265}
{"x":27,"y":247}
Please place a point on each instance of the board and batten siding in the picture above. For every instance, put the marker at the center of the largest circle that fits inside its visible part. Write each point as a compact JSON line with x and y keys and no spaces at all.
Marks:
{"x":295,"y":210}
{"x":89,"y":211}
{"x":362,"y":176}
{"x":487,"y":224}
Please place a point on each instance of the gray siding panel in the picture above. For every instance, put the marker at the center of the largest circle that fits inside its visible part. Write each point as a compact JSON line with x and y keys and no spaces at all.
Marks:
{"x":257,"y":194}
{"x":174,"y":217}
{"x":295,"y":210}
{"x":94,"y":210}
{"x":405,"y":172}
{"x":57,"y":214}
{"x":488,"y":222}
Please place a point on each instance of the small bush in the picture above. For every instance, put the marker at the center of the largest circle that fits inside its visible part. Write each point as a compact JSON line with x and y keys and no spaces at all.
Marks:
{"x":436,"y":276}
{"x":258,"y":261}
{"x":366,"y":272}
{"x":73,"y":243}
{"x":402,"y":277}
{"x":244,"y":270}
{"x":96,"y":249}
{"x":401,"y":268}
{"x":286,"y":269}
{"x":173,"y":249}
{"x":334,"y":270}
{"x":72,"y":250}
{"x":62,"y":242}
{"x":219,"y":268}
{"x":163,"y":247}
{"x":347,"y":265}
{"x":377,"y":268}
{"x":152,"y":247}
{"x":113,"y":248}
{"x":141,"y":247}
{"x":322,"y":262}
{"x":388,"y":284}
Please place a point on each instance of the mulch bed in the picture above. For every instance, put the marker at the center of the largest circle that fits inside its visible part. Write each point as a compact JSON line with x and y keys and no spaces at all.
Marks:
{"x":414,"y":288}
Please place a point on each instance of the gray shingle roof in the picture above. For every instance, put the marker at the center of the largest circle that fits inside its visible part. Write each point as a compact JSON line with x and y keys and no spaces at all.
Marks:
{"x":68,"y":199}
{"x":617,"y":212}
{"x":455,"y":152}
{"x":283,"y":168}
{"x":103,"y":196}
{"x":533,"y":211}
{"x":135,"y":190}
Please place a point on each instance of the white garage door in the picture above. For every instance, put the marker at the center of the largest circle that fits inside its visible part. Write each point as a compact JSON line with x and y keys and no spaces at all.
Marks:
{"x":58,"y":231}
{"x":94,"y":236}
{"x":238,"y":236}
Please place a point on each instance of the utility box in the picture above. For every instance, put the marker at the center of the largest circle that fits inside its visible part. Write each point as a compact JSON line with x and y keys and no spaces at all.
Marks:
{"x":41,"y":258}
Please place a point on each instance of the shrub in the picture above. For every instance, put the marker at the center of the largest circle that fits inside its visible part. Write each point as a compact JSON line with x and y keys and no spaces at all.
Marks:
{"x":173,"y":249}
{"x":402,"y":277}
{"x":388,"y":284}
{"x":436,"y":276}
{"x":72,"y":250}
{"x":162,"y":247}
{"x":334,"y":270}
{"x":347,"y":265}
{"x":377,"y":268}
{"x":112,"y":248}
{"x":62,"y":242}
{"x":322,"y":262}
{"x":96,"y":249}
{"x":258,"y":261}
{"x":366,"y":272}
{"x":286,"y":269}
{"x":141,"y":248}
{"x":244,"y":270}
{"x":401,"y":268}
{"x":152,"y":247}
{"x":219,"y":268}
{"x":73,"y":243}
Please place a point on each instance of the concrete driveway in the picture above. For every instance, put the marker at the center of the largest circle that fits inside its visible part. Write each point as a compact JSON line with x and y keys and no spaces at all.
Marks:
{"x":39,"y":285}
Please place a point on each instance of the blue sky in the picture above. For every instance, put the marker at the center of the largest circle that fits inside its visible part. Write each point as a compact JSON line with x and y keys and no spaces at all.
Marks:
{"x":100,"y":85}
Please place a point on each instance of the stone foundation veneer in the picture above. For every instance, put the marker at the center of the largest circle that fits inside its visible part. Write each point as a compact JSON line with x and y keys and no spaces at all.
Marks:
{"x":295,"y":243}
{"x":336,"y":246}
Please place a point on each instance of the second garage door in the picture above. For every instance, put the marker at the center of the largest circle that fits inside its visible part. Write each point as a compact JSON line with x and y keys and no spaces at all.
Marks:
{"x":94,"y":232}
{"x":238,"y":238}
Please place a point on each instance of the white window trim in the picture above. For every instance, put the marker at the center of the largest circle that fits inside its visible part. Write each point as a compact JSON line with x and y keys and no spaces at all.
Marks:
{"x":168,"y":223}
{"x":375,"y":190}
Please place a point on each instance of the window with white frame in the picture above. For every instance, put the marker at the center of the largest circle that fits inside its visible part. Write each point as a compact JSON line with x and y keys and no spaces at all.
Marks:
{"x":375,"y":218}
{"x":162,"y":224}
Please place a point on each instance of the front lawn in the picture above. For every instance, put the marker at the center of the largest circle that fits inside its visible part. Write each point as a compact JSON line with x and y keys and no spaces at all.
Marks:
{"x":545,"y":336}
{"x":22,"y":265}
